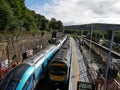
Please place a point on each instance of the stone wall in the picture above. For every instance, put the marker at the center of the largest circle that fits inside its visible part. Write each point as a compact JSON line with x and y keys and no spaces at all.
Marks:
{"x":14,"y":49}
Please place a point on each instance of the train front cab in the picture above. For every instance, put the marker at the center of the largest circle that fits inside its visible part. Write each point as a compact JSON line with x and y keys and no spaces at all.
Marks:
{"x":19,"y":78}
{"x":58,"y":73}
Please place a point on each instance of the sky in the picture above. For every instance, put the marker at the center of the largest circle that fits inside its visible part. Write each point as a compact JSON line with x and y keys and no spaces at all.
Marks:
{"x":77,"y":12}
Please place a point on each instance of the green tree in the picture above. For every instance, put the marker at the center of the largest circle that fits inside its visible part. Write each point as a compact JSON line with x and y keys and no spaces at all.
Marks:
{"x":56,"y":25}
{"x":53,"y":24}
{"x":29,"y":21}
{"x":117,"y":37}
{"x":7,"y":19}
{"x":45,"y":25}
{"x":108,"y":34}
{"x":18,"y":6}
{"x":97,"y":35}
{"x":60,"y":26}
{"x":85,"y":32}
{"x":15,"y":16}
{"x":38,"y":18}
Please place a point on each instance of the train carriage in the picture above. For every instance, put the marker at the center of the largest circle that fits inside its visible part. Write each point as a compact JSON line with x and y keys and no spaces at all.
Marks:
{"x":59,"y":68}
{"x":26,"y":75}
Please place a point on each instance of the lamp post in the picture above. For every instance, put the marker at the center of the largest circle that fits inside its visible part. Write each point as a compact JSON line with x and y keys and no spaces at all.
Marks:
{"x":109,"y":58}
{"x":7,"y":52}
{"x":82,"y":37}
{"x":90,"y":39}
{"x":38,"y":22}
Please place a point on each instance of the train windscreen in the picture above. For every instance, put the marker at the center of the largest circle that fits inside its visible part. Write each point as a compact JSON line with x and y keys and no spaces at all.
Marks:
{"x":12,"y":85}
{"x":58,"y":70}
{"x":9,"y":84}
{"x":13,"y":77}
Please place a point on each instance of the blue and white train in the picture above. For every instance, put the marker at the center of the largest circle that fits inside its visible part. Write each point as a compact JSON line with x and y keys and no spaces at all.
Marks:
{"x":26,"y":75}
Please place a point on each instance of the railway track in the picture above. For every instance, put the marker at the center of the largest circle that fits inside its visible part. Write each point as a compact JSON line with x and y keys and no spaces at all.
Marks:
{"x":44,"y":84}
{"x":107,"y":50}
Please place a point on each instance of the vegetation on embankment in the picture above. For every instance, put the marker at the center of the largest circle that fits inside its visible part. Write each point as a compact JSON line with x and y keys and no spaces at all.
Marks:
{"x":98,"y":35}
{"x":98,"y":56}
{"x":22,"y":29}
{"x":15,"y":16}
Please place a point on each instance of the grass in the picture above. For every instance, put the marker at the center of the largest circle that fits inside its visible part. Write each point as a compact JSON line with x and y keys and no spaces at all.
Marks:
{"x":118,"y":76}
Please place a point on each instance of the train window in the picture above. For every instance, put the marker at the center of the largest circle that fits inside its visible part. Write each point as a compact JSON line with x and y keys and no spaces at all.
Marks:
{"x":12,"y":85}
{"x":29,"y":84}
{"x":58,"y":70}
{"x":5,"y":81}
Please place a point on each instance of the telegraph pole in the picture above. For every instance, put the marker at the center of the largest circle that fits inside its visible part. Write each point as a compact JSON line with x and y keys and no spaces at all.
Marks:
{"x":109,"y":59}
{"x":8,"y":57}
{"x":90,"y":39}
{"x":38,"y":21}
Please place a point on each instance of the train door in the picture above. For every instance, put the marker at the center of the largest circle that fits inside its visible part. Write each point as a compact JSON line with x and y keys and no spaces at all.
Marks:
{"x":43,"y":68}
{"x":29,"y":85}
{"x":34,"y":80}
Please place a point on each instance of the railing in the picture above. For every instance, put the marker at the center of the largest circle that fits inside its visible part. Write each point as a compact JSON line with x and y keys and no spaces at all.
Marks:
{"x":114,"y":54}
{"x":115,"y":85}
{"x":111,"y":85}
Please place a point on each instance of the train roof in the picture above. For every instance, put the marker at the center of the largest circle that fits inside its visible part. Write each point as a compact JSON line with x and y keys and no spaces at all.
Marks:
{"x":17,"y":77}
{"x":50,"y":47}
{"x":33,"y":60}
{"x":18,"y":71}
{"x":59,"y":61}
{"x":62,"y":53}
{"x":15,"y":74}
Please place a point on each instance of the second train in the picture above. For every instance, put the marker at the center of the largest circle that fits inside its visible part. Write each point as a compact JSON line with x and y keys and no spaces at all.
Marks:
{"x":59,"y":68}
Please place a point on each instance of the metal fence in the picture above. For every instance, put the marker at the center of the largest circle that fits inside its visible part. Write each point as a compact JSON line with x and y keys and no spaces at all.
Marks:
{"x":111,"y":85}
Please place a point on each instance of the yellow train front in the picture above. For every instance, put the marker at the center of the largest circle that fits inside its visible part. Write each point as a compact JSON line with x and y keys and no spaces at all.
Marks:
{"x":59,"y":68}
{"x":58,"y":71}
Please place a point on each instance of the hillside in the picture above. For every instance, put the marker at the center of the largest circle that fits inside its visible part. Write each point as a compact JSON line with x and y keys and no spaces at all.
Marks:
{"x":96,"y":26}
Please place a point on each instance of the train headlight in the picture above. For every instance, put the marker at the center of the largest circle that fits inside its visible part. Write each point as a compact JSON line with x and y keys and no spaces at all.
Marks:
{"x":51,"y":78}
{"x":63,"y":78}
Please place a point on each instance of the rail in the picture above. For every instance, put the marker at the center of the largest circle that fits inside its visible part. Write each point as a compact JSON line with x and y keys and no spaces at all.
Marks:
{"x":114,"y":54}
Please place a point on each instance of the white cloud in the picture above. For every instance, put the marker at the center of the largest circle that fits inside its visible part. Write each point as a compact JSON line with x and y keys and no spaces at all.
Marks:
{"x":82,"y":11}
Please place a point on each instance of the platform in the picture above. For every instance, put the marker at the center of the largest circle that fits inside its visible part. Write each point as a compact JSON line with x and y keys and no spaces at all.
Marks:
{"x":78,"y":70}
